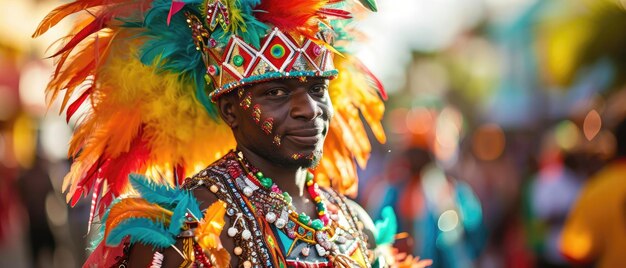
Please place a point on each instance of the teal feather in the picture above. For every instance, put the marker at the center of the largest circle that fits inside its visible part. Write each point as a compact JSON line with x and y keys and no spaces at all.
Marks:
{"x":143,"y":231}
{"x":185,"y":203}
{"x":178,"y":217}
{"x":387,"y":227}
{"x":95,"y":241}
{"x":160,"y":194}
{"x":194,"y":207}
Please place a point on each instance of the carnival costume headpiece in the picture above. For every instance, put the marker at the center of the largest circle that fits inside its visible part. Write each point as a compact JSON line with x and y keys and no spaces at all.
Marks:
{"x":151,"y":69}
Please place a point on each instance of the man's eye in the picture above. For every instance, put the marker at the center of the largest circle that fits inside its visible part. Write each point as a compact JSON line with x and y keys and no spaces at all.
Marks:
{"x":318,"y":89}
{"x":276,"y":92}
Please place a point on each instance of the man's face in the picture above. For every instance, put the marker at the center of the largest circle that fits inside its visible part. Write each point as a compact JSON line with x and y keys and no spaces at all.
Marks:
{"x":284,"y":120}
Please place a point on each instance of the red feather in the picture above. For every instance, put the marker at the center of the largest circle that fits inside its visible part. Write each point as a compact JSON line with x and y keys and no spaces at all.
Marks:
{"x":302,"y":16}
{"x":98,"y":24}
{"x":174,"y":8}
{"x":94,"y":199}
{"x":86,"y":180}
{"x":105,"y":256}
{"x":78,"y":79}
{"x":77,"y":103}
{"x":379,"y":86}
{"x":116,"y":170}
{"x":59,"y":13}
{"x":336,"y":13}
{"x":179,"y":172}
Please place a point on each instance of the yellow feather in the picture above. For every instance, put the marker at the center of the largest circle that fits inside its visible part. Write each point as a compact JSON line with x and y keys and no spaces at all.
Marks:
{"x":208,"y":233}
{"x":351,"y":95}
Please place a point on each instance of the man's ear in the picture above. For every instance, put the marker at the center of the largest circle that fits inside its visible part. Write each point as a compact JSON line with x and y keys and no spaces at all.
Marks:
{"x":227,"y":109}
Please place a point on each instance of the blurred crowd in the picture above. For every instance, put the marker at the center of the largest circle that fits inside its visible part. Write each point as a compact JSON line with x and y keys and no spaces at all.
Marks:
{"x":505,"y":119}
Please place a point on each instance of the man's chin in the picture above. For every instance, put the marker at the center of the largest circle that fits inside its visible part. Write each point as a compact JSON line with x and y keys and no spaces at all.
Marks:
{"x":305,"y":159}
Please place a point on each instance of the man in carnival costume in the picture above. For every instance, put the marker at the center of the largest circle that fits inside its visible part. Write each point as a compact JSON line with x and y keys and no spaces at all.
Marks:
{"x":247,"y":85}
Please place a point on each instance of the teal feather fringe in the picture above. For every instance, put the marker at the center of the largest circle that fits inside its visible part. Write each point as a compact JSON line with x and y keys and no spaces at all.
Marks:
{"x":160,"y":194}
{"x":387,"y":227}
{"x":141,"y":230}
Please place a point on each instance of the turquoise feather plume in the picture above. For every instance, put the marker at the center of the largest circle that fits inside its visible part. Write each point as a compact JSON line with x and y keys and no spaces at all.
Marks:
{"x":185,"y":202}
{"x":160,"y":194}
{"x":141,"y":230}
{"x":387,"y":227}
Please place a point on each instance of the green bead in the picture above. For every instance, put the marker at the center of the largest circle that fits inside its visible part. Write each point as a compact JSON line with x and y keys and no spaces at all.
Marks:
{"x":238,"y":60}
{"x":266,"y":182}
{"x":259,"y":174}
{"x":304,"y":218}
{"x":309,"y":176}
{"x":321,"y":207}
{"x":317,"y":225}
{"x":287,"y":197}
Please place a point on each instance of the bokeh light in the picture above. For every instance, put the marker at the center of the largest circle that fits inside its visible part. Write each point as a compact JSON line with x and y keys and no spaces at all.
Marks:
{"x":488,"y":142}
{"x":592,"y":124}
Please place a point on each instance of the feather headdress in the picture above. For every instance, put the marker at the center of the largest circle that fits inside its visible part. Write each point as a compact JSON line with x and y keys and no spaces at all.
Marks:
{"x":148,"y":73}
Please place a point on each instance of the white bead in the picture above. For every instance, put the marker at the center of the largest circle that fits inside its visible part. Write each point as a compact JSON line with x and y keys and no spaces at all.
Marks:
{"x":305,"y":251}
{"x":320,"y":250}
{"x":247,"y":191}
{"x":280,"y":223}
{"x":232,"y":231}
{"x":246,"y":234}
{"x":270,"y":217}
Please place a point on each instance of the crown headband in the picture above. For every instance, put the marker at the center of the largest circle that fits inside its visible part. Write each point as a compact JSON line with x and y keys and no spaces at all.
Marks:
{"x":237,"y":63}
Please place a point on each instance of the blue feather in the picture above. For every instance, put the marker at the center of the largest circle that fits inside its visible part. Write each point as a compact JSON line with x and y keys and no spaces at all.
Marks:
{"x":161,"y":194}
{"x":185,"y":203}
{"x":141,"y":230}
{"x":387,"y":227}
{"x":178,"y":217}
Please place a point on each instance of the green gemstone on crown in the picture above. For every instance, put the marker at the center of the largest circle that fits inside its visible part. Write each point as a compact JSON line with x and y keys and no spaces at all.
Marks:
{"x":238,"y":60}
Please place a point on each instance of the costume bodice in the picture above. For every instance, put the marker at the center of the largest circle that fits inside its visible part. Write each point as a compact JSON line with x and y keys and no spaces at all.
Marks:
{"x":259,"y":243}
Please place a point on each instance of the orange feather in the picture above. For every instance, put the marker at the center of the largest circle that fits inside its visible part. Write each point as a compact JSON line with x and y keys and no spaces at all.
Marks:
{"x":208,"y":233}
{"x":59,"y":13}
{"x":135,"y":208}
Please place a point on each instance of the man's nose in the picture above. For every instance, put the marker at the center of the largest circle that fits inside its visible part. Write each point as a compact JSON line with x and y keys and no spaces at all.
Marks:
{"x":303,"y":106}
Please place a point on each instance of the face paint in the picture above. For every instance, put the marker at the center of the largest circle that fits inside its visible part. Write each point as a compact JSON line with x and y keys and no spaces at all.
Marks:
{"x":296,"y":156}
{"x":247,"y":101}
{"x":277,"y":140}
{"x":267,"y":125}
{"x":240,"y":92}
{"x":302,"y":79}
{"x":256,"y":113}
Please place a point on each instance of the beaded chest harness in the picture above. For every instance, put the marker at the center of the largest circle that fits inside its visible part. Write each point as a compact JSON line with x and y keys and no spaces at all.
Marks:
{"x":269,"y":233}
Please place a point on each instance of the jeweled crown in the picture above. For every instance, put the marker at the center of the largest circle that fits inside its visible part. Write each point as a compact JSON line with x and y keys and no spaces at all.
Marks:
{"x":236,"y":62}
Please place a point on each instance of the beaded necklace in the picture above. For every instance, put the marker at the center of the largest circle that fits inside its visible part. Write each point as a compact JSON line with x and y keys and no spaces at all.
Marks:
{"x":258,"y":179}
{"x":250,"y":209}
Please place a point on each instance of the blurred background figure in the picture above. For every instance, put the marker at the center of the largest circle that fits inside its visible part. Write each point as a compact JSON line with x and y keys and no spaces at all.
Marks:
{"x":502,"y":125}
{"x":595,"y":231}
